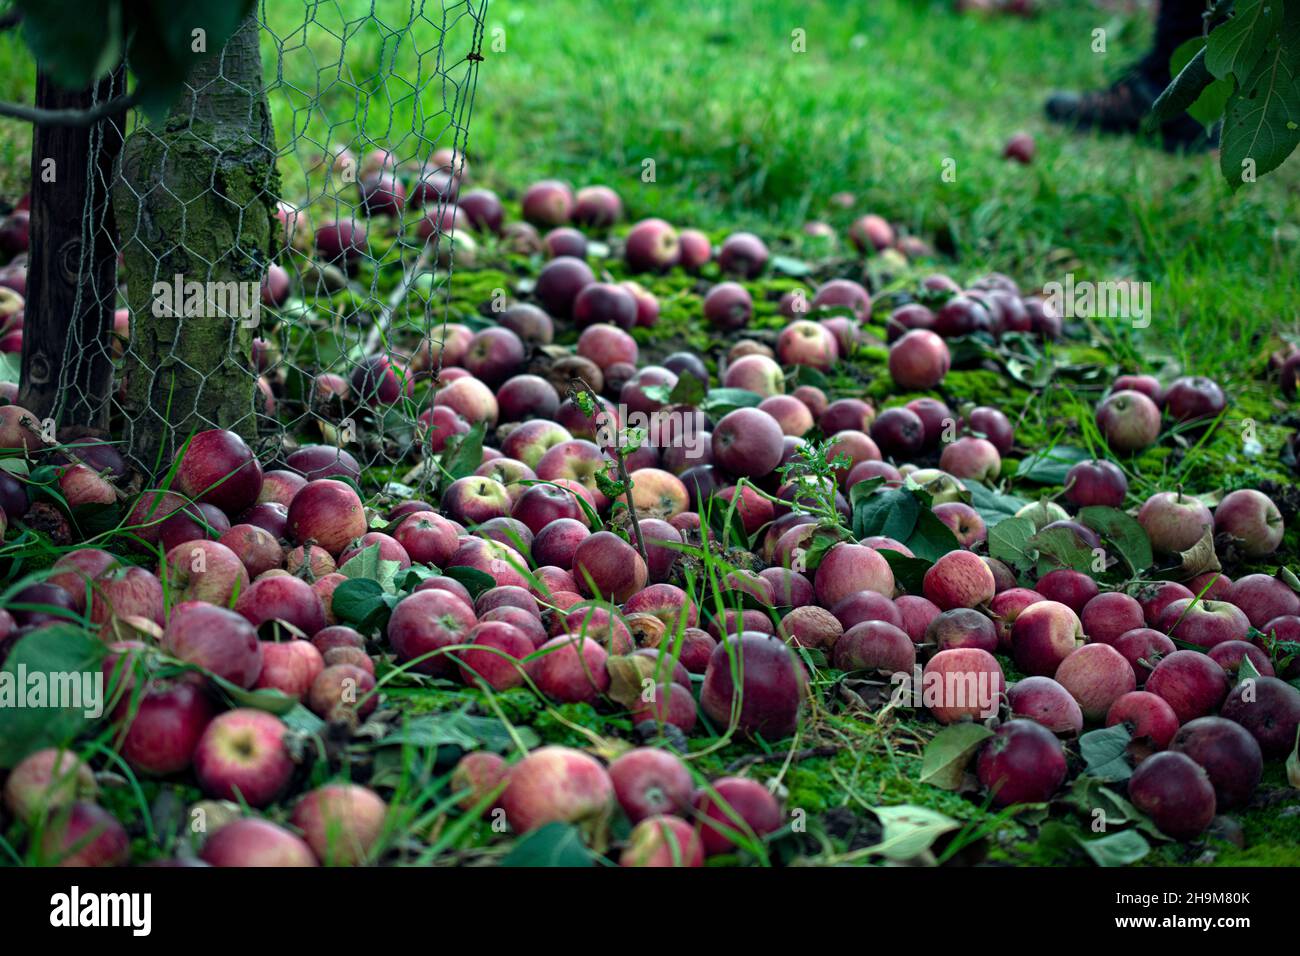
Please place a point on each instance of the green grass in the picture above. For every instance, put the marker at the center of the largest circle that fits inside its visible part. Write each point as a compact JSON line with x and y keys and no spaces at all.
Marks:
{"x":747,"y":134}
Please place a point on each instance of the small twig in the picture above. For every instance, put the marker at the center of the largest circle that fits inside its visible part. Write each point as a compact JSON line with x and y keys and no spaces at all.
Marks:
{"x":808,"y":754}
{"x":622,"y":471}
{"x":44,"y":117}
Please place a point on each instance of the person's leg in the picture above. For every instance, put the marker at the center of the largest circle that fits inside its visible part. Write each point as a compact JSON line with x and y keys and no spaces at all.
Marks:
{"x":1177,"y":21}
{"x":1123,"y":105}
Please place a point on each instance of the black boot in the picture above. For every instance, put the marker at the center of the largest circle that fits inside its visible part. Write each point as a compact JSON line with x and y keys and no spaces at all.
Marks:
{"x":1121,"y":107}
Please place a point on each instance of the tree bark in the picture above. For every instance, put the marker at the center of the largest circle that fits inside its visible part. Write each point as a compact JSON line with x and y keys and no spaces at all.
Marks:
{"x":72,"y":274}
{"x":196,"y":199}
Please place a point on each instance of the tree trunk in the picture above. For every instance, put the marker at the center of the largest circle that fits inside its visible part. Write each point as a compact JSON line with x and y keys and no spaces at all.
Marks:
{"x":196,"y":200}
{"x":72,"y":274}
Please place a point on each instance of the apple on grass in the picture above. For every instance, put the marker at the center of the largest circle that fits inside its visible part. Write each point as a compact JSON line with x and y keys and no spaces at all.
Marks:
{"x":957,"y":579}
{"x":1044,"y":700}
{"x":45,"y":781}
{"x":242,"y":756}
{"x":1096,"y":675}
{"x":255,"y":842}
{"x":1022,"y":763}
{"x":83,"y":834}
{"x":160,"y":731}
{"x":1227,"y":752}
{"x":1044,"y":635}
{"x":663,"y":840}
{"x":557,"y":785}
{"x":960,"y":683}
{"x":735,"y":812}
{"x":1175,"y":792}
{"x":215,"y":639}
{"x":341,"y":822}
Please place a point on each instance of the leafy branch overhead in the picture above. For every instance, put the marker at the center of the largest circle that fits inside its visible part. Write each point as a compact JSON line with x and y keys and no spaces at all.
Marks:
{"x":79,"y":41}
{"x":1246,"y":73}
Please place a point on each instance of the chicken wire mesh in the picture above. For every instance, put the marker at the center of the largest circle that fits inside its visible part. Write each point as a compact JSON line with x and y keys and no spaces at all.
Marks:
{"x":286,"y":239}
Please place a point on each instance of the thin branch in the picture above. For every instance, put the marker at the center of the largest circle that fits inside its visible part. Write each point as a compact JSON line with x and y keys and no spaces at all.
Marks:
{"x":44,"y":117}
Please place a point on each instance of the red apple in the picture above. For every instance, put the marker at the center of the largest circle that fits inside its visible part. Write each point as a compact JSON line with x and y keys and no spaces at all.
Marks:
{"x":556,"y":785}
{"x":242,"y":756}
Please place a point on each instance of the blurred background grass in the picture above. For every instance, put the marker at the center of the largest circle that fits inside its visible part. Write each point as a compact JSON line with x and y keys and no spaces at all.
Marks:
{"x":744,"y":132}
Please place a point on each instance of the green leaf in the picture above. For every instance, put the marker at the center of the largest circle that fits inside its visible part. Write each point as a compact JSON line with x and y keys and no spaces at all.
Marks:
{"x":1236,"y":44}
{"x":1121,"y":530}
{"x":1121,"y":848}
{"x":457,"y":729}
{"x":359,"y":602}
{"x":931,"y":539}
{"x":909,"y":572}
{"x":475,"y":580}
{"x":1208,"y":107}
{"x":264,"y":698}
{"x":719,"y":401}
{"x":1261,"y":123}
{"x":891,"y":512}
{"x":908,"y":831}
{"x":369,"y":566}
{"x":946,"y":756}
{"x":1104,"y":753}
{"x":64,"y":660}
{"x":1050,"y":466}
{"x":1061,"y":548}
{"x":689,"y":390}
{"x":555,"y":844}
{"x":789,"y":266}
{"x":993,"y":507}
{"x":1182,"y":92}
{"x":1009,"y":541}
{"x":463,"y":453}
{"x":11,"y":367}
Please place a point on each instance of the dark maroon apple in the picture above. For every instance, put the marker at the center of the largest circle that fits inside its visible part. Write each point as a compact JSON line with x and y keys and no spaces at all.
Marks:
{"x":899,"y":432}
{"x":652,"y":246}
{"x":597,"y":207}
{"x":533,"y":326}
{"x":84,"y":835}
{"x":747,"y":442}
{"x":649,"y":781}
{"x":1229,"y":755}
{"x":728,"y":306}
{"x":1022,"y":763}
{"x":161,"y":730}
{"x":482,"y":210}
{"x":1190,"y":682}
{"x":962,"y":627}
{"x":773,"y":684}
{"x":1194,"y":398}
{"x":735,"y":811}
{"x":548,"y":203}
{"x":560,"y":282}
{"x":1096,"y":483}
{"x":1043,"y":700}
{"x":327,"y":513}
{"x":322,"y":461}
{"x":217,"y":640}
{"x":341,"y":242}
{"x":606,"y":566}
{"x":742,"y":254}
{"x":283,"y":598}
{"x":604,"y":302}
{"x":1175,"y":793}
{"x":1270,"y":709}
